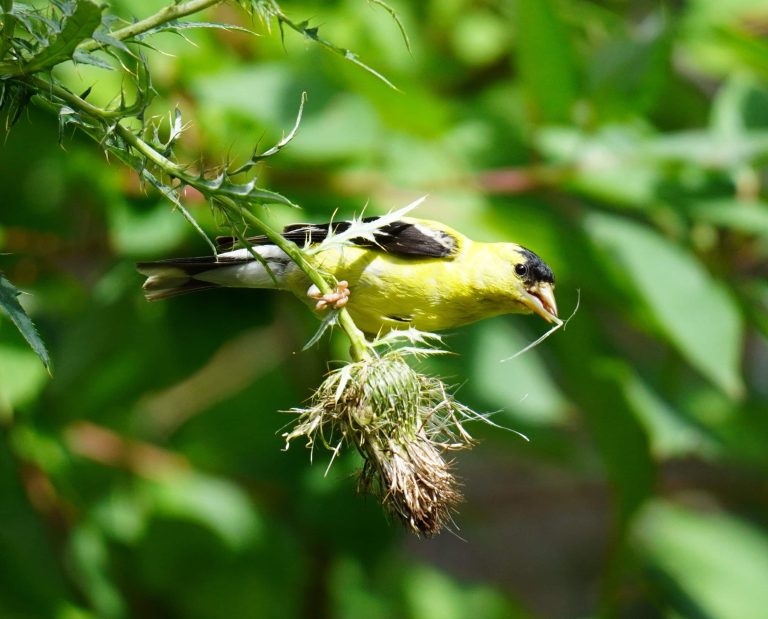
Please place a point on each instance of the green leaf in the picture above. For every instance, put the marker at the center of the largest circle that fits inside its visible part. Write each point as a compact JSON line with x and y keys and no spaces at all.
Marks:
{"x":9,"y":303}
{"x":709,"y":149}
{"x":89,"y":561}
{"x":715,"y":560}
{"x":545,"y":60}
{"x":627,"y":74}
{"x":428,"y":592}
{"x":621,"y":438}
{"x":22,"y":378}
{"x":217,"y":504}
{"x":671,"y":433}
{"x":78,"y":27}
{"x":627,"y":164}
{"x":746,"y":49}
{"x":612,"y":164}
{"x":694,"y":311}
{"x":34,"y":584}
{"x":146,"y":231}
{"x":741,"y":216}
{"x":739,"y":107}
{"x":38,"y":447}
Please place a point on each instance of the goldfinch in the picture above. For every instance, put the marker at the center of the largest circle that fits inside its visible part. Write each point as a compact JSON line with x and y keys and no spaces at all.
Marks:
{"x":408,"y":273}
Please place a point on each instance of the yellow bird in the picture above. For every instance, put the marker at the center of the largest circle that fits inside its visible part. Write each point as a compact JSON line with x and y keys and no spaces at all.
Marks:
{"x":407,"y":273}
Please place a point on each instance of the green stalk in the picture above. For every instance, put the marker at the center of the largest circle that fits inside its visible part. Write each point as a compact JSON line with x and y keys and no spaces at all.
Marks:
{"x":164,"y":15}
{"x":72,"y":99}
{"x":357,"y":339}
{"x":360,"y":348}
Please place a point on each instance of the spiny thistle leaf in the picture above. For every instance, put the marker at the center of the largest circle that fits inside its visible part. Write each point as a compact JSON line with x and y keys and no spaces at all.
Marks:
{"x":177,"y":27}
{"x":76,"y":28}
{"x":264,"y":10}
{"x":103,"y":36}
{"x":172,"y":195}
{"x":347,"y":54}
{"x":256,"y":157}
{"x":14,"y":98}
{"x":82,"y":57}
{"x":176,"y":128}
{"x":33,"y":23}
{"x":396,"y":18}
{"x":248,"y":193}
{"x":9,"y":304}
{"x":267,"y":10}
{"x":67,"y":116}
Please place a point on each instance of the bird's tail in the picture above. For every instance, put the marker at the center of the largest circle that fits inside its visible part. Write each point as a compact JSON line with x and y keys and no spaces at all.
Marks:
{"x":170,"y":278}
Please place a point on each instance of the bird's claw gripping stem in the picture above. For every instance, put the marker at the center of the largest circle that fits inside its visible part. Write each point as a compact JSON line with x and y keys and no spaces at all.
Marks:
{"x":336,"y":299}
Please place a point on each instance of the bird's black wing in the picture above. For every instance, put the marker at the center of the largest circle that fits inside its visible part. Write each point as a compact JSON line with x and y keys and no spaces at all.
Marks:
{"x":400,"y":238}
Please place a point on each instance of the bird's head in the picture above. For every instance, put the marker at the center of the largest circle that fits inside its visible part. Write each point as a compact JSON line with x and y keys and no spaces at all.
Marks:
{"x":534,"y":284}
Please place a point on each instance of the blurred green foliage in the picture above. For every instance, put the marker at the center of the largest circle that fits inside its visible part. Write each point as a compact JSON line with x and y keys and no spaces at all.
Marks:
{"x":624,"y":142}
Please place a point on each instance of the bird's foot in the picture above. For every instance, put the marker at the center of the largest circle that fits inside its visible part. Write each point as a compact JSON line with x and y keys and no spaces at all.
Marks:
{"x":336,"y":299}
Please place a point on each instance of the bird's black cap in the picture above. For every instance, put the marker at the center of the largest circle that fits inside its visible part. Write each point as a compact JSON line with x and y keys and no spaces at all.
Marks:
{"x":538,"y":271}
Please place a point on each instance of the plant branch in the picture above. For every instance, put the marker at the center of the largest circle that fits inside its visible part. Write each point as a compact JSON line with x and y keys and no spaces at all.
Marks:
{"x":164,"y":15}
{"x":107,"y":128}
{"x":71,"y":98}
{"x":360,"y":348}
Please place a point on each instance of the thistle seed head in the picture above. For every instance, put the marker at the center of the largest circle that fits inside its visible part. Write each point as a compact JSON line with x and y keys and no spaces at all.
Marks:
{"x":402,"y":422}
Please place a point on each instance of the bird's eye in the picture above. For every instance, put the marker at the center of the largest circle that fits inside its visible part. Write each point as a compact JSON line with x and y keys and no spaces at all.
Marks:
{"x":521,"y":269}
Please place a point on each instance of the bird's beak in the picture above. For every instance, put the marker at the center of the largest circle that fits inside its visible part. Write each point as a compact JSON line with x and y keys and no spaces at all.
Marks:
{"x":540,"y":299}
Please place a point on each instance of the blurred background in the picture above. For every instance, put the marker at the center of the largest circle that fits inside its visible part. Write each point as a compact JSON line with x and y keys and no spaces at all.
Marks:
{"x":623,"y":142}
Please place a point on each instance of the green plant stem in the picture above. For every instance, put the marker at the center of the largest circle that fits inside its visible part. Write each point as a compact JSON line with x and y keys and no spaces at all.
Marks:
{"x":72,"y":99}
{"x":360,"y":348}
{"x":164,"y":15}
